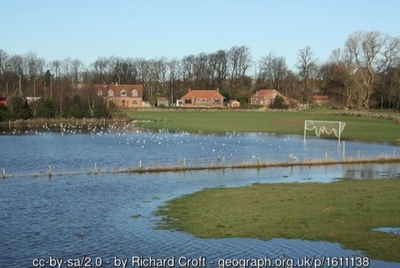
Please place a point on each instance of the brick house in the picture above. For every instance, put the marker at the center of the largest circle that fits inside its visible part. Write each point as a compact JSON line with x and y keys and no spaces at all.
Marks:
{"x":121,"y":95}
{"x":320,"y":100}
{"x":266,"y":97}
{"x":203,"y":98}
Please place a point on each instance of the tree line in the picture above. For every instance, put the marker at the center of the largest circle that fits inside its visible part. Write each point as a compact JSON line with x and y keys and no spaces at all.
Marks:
{"x":363,"y":74}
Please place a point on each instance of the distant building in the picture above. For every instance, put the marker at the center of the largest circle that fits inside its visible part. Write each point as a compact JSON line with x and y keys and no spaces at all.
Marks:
{"x":233,"y":104}
{"x":162,"y":102}
{"x":203,"y":98}
{"x":121,"y":95}
{"x":320,"y":100}
{"x":266,"y":97}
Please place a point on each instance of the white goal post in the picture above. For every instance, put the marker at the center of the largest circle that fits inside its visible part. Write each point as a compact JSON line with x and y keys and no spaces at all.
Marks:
{"x":327,"y":127}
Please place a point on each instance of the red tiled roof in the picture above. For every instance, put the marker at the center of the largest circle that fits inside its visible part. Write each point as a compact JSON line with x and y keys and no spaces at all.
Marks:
{"x":117,"y":89}
{"x":265,"y":93}
{"x":320,"y":97}
{"x":203,"y":94}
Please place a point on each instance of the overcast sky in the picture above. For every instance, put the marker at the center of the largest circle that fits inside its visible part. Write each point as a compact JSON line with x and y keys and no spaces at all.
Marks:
{"x":150,"y":29}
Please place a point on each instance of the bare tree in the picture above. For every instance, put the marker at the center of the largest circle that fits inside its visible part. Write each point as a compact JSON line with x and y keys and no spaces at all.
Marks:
{"x":188,"y":73}
{"x":34,"y":69}
{"x":174,"y":75}
{"x":4,"y":62}
{"x":307,"y":67}
{"x":66,"y":67}
{"x":16,"y":64}
{"x":239,"y":62}
{"x":338,"y":78}
{"x":16,"y":70}
{"x":369,"y":53}
{"x":219,"y":62}
{"x":273,"y":69}
{"x":201,"y":71}
{"x":4,"y":58}
{"x":55,"y":68}
{"x":101,"y":70}
{"x":76,"y":70}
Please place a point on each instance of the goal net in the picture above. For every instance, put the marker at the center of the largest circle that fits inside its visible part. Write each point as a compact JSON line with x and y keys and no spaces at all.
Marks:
{"x":321,"y":127}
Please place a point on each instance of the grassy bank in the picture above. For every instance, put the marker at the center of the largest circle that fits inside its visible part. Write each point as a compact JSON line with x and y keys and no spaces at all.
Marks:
{"x":343,"y":211}
{"x":359,"y":126}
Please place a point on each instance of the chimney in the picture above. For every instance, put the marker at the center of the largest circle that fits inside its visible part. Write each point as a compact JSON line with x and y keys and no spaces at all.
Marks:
{"x":217,"y":90}
{"x":189,"y":90}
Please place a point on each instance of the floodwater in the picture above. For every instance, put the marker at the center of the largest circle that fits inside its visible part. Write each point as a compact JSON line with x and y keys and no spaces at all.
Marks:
{"x":108,"y":218}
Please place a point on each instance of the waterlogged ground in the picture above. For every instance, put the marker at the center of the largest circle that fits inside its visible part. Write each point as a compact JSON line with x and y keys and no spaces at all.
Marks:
{"x":98,"y":218}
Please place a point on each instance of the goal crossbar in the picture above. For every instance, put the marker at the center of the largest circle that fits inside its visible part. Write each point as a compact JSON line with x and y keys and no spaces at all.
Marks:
{"x":327,"y":127}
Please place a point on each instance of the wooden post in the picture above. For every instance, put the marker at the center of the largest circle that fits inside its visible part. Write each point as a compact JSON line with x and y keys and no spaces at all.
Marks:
{"x":344,"y":151}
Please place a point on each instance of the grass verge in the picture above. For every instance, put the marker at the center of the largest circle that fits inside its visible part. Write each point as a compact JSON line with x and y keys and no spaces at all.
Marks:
{"x":342,"y":211}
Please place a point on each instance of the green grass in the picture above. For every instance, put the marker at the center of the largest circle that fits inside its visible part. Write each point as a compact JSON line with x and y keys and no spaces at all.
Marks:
{"x":365,"y":127}
{"x":342,"y":211}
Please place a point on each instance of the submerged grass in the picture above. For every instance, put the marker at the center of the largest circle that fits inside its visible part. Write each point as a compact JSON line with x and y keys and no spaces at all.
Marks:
{"x":211,"y":166}
{"x":343,"y":211}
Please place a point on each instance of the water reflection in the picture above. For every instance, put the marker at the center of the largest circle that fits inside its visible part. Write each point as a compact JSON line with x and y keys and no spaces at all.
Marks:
{"x":367,"y":171}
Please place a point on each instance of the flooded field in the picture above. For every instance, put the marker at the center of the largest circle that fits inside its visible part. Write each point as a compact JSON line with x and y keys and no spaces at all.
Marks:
{"x":104,"y":217}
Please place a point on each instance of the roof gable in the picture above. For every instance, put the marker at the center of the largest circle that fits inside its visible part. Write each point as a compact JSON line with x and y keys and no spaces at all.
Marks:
{"x":264,"y":93}
{"x":203,"y":94}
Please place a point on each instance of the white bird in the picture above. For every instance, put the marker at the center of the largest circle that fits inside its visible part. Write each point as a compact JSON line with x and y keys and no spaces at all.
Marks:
{"x":293,"y":158}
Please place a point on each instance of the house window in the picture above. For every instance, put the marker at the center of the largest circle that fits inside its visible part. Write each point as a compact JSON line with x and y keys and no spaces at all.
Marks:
{"x":123,"y":93}
{"x":188,"y":101}
{"x":134,"y":102}
{"x":217,"y":101}
{"x":99,"y":92}
{"x":274,"y":96}
{"x":134,"y":93}
{"x":123,"y":103}
{"x":110,"y":93}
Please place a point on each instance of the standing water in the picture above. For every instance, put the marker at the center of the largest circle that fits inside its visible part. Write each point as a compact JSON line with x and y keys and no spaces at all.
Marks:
{"x":105,"y":218}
